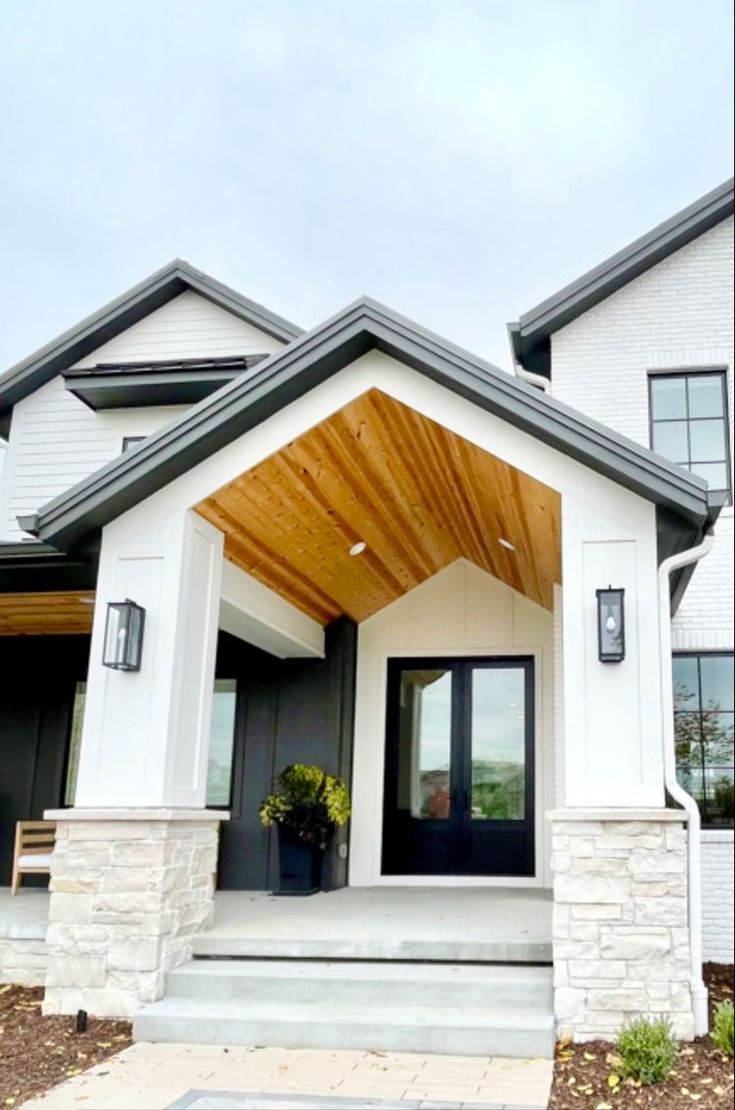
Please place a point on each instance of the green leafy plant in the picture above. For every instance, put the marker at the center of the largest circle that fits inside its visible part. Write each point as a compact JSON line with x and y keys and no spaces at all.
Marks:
{"x":647,"y":1050}
{"x":309,"y":803}
{"x":722,"y":1031}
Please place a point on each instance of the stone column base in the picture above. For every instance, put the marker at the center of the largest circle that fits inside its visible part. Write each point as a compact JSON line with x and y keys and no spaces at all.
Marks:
{"x":129,"y":889}
{"x":620,"y":934}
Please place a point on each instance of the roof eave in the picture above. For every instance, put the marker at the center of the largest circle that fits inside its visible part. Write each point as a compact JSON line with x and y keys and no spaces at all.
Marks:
{"x":539,"y":323}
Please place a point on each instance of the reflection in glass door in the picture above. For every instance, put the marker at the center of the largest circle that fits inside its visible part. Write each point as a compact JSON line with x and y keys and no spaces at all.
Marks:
{"x":459,"y":767}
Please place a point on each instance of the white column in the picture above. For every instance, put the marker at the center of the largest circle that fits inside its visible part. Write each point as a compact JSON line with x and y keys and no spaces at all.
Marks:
{"x":612,"y":711}
{"x":146,"y":733}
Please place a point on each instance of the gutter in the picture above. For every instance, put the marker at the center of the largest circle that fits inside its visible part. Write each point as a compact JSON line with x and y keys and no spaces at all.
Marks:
{"x":532,"y":379}
{"x":676,"y":791}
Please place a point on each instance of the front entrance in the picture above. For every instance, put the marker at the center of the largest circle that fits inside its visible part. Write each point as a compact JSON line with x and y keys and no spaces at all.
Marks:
{"x":459,"y":789}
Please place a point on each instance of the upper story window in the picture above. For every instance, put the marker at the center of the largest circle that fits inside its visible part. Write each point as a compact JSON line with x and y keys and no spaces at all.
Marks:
{"x":703,"y":719}
{"x":689,"y":423}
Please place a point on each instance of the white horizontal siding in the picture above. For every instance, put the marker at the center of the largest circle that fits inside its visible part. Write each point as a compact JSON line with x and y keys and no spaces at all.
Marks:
{"x":57,"y":441}
{"x":186,"y":327}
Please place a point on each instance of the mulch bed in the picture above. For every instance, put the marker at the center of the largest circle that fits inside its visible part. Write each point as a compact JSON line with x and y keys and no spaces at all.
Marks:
{"x":38,"y":1052}
{"x":702,"y":1077}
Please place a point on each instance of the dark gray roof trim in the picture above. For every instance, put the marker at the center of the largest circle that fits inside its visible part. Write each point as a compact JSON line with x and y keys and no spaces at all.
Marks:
{"x":32,"y":567}
{"x":364,"y":325}
{"x":126,"y":310}
{"x":530,"y":336}
{"x":130,"y":385}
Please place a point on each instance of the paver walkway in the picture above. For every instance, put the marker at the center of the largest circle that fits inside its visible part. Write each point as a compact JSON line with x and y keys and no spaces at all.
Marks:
{"x":158,"y":1076}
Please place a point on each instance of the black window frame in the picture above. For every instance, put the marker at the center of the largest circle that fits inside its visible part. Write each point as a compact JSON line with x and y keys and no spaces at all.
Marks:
{"x":699,"y":712}
{"x":694,"y":373}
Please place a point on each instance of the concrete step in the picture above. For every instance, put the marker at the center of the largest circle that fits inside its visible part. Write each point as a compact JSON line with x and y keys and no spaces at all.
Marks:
{"x":368,"y":983}
{"x":452,"y":1028}
{"x":494,"y":949}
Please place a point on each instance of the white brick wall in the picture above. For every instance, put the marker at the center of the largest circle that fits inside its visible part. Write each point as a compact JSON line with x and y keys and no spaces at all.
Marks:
{"x":676,"y":316}
{"x":718,"y":879}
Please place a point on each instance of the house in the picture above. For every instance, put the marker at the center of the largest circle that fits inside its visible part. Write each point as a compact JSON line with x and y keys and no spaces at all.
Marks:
{"x":363,"y":547}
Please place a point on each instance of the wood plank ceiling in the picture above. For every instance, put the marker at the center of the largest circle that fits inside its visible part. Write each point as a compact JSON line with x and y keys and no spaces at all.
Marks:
{"x":46,"y":614}
{"x":416,"y":494}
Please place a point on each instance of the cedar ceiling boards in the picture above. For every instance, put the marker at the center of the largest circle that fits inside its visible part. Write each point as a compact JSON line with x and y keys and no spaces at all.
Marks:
{"x":417,"y":494}
{"x":46,"y":614}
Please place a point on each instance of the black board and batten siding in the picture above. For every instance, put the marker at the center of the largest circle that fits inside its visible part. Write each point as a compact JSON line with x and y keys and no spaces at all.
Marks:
{"x":288,"y":711}
{"x":38,"y":680}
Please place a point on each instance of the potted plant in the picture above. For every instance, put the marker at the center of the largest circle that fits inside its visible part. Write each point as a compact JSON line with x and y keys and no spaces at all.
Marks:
{"x":306,"y":808}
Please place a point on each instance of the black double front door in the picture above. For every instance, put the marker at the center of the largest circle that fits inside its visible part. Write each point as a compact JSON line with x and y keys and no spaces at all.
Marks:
{"x":459,"y":789}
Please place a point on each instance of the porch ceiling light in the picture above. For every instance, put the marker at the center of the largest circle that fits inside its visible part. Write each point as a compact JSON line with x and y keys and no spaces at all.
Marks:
{"x":358,"y":548}
{"x":611,"y":625}
{"x":123,"y":647}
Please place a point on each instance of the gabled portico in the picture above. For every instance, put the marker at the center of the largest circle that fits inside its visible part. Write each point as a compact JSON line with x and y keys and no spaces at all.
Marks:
{"x":490,"y":516}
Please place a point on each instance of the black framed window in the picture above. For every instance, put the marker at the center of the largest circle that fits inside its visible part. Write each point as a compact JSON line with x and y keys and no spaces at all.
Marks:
{"x":689,"y":423}
{"x":703,"y":719}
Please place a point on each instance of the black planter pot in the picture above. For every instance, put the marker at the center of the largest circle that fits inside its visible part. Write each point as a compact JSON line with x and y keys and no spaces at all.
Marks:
{"x":300,"y":864}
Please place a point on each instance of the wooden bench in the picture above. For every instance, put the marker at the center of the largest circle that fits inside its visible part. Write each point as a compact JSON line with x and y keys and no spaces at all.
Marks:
{"x":34,"y":843}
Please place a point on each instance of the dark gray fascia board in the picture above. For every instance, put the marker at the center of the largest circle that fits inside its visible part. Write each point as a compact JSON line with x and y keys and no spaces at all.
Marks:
{"x":125,"y":391}
{"x":32,"y":567}
{"x":126,"y":310}
{"x":530,"y":335}
{"x":285,"y":376}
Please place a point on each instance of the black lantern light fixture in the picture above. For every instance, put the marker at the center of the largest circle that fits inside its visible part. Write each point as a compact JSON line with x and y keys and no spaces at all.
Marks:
{"x":611,"y":625}
{"x":123,"y":636}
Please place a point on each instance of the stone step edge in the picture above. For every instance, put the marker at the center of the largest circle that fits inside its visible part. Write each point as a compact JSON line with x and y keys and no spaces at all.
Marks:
{"x":360,"y":970}
{"x":327,"y":1013}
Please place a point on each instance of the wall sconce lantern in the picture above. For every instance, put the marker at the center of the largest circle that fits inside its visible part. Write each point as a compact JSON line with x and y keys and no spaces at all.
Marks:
{"x":123,"y":636}
{"x":611,"y":625}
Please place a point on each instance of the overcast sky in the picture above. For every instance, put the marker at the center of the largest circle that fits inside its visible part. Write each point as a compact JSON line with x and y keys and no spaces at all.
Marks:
{"x":458,"y":160}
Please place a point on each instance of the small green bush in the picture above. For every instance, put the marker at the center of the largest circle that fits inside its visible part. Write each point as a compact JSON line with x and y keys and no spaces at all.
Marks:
{"x":722,"y":1033}
{"x":648,"y":1050}
{"x":309,"y":803}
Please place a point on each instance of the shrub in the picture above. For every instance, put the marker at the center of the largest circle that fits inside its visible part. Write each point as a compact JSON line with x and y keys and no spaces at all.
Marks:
{"x":309,"y":803}
{"x":722,"y":1033}
{"x":648,"y":1050}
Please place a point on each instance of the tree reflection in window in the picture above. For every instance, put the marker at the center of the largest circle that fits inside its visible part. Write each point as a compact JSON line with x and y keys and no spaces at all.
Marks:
{"x":703,"y":720}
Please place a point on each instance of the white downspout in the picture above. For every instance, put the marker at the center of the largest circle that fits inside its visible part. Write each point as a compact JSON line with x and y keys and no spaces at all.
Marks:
{"x":532,"y":379}
{"x":694,"y":863}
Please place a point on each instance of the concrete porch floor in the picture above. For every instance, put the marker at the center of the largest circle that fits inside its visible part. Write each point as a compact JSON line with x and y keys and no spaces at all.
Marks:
{"x":440,"y":923}
{"x":25,"y":916}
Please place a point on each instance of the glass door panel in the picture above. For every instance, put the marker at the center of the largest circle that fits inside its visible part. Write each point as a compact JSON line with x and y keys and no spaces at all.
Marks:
{"x":498,"y":744}
{"x":425,"y":744}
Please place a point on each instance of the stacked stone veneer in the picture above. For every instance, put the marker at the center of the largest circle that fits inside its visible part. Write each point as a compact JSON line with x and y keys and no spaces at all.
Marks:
{"x":127,"y":896}
{"x":620,"y":932}
{"x":23,"y":961}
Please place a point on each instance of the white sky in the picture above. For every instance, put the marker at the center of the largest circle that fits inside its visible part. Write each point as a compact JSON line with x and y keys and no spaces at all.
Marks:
{"x":458,"y":160}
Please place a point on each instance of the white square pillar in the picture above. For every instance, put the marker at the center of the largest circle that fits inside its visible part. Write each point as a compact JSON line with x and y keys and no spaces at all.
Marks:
{"x":612,"y":711}
{"x":146,"y":734}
